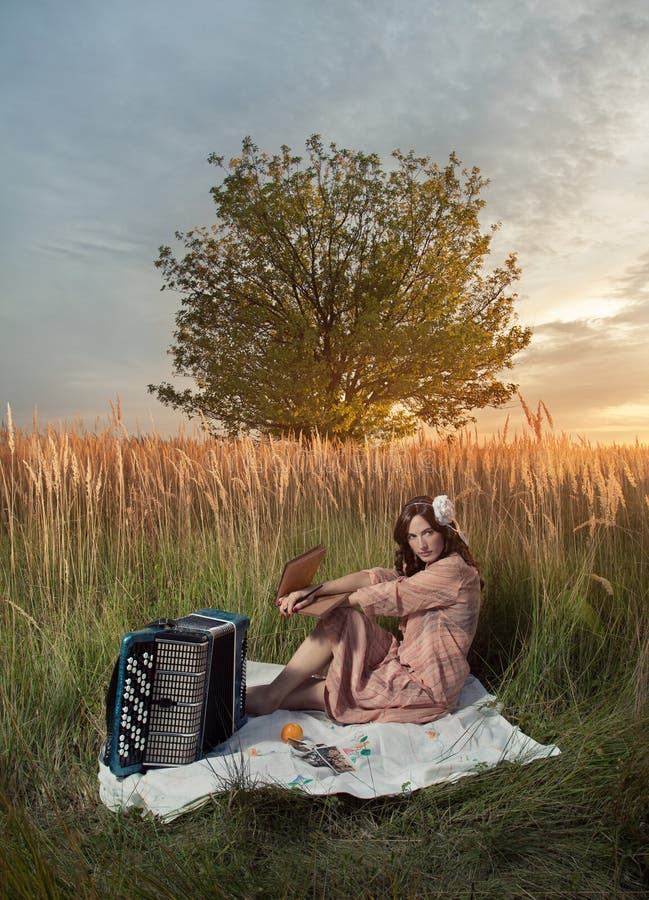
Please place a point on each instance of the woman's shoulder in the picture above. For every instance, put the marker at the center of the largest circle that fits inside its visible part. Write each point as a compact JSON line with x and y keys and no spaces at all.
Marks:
{"x":451,"y":562}
{"x":453,"y":577}
{"x":453,"y":565}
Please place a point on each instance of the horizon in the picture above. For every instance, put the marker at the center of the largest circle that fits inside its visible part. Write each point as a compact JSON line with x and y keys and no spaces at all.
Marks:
{"x":181,"y":427}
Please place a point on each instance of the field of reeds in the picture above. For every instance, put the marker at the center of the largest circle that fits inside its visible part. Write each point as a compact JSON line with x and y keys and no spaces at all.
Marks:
{"x":101,"y":532}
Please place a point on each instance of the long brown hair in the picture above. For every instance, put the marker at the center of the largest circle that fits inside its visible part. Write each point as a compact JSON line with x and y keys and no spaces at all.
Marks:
{"x":406,"y":560}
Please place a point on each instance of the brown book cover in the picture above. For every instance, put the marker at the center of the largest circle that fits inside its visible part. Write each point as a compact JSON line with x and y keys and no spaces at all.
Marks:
{"x":298,"y":573}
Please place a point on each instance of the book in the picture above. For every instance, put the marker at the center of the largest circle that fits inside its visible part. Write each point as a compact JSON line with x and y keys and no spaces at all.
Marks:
{"x":298,"y":573}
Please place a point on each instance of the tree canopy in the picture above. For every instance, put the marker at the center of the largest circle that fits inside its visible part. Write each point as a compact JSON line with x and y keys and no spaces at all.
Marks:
{"x":332,"y":295}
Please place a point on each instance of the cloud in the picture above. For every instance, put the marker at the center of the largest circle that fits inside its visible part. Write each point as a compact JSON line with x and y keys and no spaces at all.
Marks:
{"x":547,"y":116}
{"x":593,"y":374}
{"x":633,"y":287}
{"x":582,"y":365}
{"x":110,"y":110}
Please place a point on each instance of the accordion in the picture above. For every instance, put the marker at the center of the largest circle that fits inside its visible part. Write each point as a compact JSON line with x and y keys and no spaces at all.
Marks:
{"x":178,"y":690}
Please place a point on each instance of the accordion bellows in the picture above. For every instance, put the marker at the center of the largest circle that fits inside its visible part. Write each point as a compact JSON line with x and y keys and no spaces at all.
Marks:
{"x":177,"y":691}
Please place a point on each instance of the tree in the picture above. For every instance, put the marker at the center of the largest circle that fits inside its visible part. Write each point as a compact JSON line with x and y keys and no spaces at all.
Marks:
{"x":334,"y":296}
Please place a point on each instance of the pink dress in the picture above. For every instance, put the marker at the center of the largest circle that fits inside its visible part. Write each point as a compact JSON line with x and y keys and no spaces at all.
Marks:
{"x":375,"y":678}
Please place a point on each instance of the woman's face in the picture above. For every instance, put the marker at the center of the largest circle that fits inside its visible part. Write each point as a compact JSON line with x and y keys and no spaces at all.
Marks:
{"x":424,"y":541}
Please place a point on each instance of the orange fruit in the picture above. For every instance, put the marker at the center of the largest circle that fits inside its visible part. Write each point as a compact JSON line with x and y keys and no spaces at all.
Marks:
{"x":292,"y":731}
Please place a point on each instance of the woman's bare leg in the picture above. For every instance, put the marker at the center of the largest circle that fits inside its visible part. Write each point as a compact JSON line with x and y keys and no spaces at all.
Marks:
{"x":294,"y":683}
{"x":309,"y":695}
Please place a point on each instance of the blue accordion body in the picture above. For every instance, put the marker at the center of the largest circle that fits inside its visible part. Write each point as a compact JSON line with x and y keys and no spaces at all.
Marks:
{"x":178,"y":690}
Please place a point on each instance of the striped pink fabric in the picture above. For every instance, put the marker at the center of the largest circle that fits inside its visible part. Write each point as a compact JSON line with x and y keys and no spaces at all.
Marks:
{"x":375,"y":678}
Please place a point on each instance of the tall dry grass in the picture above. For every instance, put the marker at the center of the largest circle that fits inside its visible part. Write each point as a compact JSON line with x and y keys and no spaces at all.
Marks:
{"x":115,"y":529}
{"x":101,"y":531}
{"x":68,"y":495}
{"x":92,"y":521}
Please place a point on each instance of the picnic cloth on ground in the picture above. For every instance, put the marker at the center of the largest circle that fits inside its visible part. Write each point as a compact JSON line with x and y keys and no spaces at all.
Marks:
{"x":385,"y":758}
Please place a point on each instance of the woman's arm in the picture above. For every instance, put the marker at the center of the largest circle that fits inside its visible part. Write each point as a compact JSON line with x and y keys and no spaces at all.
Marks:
{"x":346,"y":584}
{"x":435,"y":587}
{"x":351,"y":582}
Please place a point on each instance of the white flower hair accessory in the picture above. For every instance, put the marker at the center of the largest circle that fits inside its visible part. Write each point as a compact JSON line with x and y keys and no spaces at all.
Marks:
{"x":443,"y":509}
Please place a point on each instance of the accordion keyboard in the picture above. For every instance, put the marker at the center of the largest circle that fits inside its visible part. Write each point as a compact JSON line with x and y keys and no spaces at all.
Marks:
{"x":162,"y":702}
{"x":177,"y":691}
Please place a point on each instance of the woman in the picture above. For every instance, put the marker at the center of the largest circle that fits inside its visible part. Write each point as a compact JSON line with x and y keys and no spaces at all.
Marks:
{"x":434,"y":589}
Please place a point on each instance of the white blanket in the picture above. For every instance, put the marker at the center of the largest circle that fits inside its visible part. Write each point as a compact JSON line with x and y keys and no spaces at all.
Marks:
{"x":384,"y":758}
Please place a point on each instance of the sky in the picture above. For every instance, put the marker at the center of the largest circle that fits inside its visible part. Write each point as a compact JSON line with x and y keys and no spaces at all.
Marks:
{"x":109,"y":111}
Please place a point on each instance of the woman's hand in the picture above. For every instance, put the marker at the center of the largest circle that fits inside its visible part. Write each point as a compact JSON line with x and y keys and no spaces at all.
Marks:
{"x":290,"y":603}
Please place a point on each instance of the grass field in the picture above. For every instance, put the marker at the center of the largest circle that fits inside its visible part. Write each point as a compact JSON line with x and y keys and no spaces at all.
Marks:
{"x":101,"y":532}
